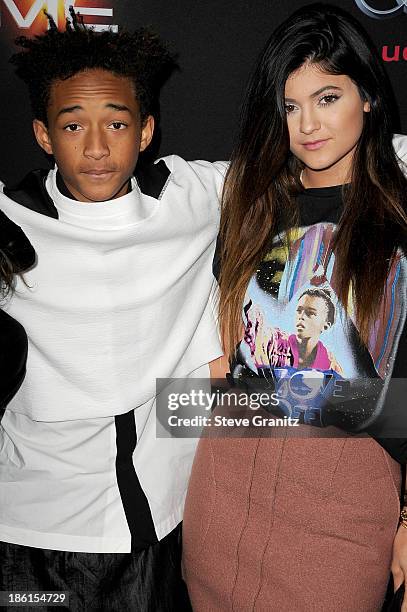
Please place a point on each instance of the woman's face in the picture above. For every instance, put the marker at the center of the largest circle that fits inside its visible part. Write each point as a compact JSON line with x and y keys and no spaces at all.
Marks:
{"x":325,"y":120}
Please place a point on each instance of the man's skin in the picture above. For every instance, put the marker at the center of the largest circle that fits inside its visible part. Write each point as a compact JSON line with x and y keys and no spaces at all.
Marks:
{"x":95,"y":133}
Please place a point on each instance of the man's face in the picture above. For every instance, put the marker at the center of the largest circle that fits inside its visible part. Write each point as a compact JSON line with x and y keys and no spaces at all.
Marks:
{"x":311,"y":317}
{"x":94,"y":133}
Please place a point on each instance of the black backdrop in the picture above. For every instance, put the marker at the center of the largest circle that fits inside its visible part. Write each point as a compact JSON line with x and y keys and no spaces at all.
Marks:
{"x":217,"y":43}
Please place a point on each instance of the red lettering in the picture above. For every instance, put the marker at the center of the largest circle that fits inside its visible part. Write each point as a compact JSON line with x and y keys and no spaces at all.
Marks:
{"x":396,"y":54}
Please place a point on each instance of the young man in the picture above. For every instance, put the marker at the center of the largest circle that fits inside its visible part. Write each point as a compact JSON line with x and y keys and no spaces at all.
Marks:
{"x":91,"y":500}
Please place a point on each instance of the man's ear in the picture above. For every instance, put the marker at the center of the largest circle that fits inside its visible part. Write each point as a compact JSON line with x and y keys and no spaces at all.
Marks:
{"x":147,"y":132}
{"x":42,"y":136}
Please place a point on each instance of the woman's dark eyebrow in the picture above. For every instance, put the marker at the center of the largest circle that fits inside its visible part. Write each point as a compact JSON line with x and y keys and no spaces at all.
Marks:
{"x":318,"y":92}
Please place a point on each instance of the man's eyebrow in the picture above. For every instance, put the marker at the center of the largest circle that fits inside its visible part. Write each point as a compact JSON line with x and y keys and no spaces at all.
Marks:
{"x":76,"y":107}
{"x":69,"y":109}
{"x":118,"y":107}
{"x":318,"y":92}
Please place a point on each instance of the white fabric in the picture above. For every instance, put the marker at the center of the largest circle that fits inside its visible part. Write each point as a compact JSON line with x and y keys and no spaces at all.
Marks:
{"x":119,"y":297}
{"x":58,"y":487}
{"x":117,"y":301}
{"x":400,"y":147}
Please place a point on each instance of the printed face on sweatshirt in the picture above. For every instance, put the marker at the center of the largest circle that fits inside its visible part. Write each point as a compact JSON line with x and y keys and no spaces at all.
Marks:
{"x":94,"y":133}
{"x":325,"y":115}
{"x":311,"y":317}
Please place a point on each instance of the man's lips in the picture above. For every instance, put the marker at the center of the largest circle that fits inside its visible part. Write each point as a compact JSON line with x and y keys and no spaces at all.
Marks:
{"x":98,"y":172}
{"x":314,"y":144}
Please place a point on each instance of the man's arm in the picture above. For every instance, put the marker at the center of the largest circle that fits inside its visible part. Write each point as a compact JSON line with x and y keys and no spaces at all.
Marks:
{"x":400,"y":147}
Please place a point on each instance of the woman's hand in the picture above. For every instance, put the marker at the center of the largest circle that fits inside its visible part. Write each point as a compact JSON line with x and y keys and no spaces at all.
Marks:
{"x":399,"y":562}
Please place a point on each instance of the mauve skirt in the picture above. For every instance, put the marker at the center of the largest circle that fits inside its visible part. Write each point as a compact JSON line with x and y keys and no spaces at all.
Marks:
{"x":290,"y":525}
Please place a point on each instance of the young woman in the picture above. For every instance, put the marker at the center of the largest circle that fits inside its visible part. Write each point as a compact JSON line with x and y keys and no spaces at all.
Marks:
{"x":16,"y":255}
{"x":313,"y":238}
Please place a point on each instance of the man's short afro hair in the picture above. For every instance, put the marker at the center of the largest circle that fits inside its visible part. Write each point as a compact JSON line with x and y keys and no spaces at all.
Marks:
{"x":58,"y":55}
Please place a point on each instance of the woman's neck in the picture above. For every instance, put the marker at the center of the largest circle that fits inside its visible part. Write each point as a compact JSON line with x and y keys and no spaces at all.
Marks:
{"x":337,"y":174}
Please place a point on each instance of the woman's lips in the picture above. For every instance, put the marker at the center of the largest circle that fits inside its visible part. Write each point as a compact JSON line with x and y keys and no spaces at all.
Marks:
{"x":314,"y":145}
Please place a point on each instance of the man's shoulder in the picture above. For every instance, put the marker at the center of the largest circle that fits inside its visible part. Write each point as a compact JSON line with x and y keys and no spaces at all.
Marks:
{"x":209,"y":175}
{"x":31,"y":193}
{"x":179,"y":164}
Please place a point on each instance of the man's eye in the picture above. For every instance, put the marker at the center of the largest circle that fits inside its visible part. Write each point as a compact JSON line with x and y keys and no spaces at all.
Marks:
{"x":72,"y":127}
{"x":118,"y":125}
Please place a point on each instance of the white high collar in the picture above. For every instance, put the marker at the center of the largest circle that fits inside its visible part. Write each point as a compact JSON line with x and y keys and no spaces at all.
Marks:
{"x":108,"y":215}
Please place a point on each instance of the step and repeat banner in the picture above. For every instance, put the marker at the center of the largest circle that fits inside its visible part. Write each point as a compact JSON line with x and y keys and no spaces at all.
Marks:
{"x":217,"y":42}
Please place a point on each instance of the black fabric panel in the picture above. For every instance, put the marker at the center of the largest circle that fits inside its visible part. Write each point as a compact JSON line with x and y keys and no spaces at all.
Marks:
{"x":216,"y":260}
{"x":32,"y":194}
{"x":134,"y":500}
{"x":15,"y":245}
{"x":13,"y":357}
{"x":152,"y":178}
{"x":17,"y":249}
{"x":144,"y":581}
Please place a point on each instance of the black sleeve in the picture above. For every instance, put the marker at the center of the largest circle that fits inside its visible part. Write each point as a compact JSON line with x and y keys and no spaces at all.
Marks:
{"x":394,"y":414}
{"x":216,"y":260}
{"x":32,"y":193}
{"x":15,"y":246}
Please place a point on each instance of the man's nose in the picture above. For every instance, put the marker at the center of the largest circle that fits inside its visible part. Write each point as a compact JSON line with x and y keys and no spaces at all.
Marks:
{"x":96,"y":146}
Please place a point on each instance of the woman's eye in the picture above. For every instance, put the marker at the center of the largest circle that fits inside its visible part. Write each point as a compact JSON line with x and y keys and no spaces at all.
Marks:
{"x":118,"y":125}
{"x":289,"y":108}
{"x":328,"y":99}
{"x":72,"y":127}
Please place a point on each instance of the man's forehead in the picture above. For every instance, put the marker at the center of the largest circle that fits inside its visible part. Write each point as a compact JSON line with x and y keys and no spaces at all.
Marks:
{"x":96,"y":85}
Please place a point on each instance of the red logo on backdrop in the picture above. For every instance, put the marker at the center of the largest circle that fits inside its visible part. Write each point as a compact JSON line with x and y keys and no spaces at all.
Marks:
{"x":395,"y":53}
{"x":29,"y":15}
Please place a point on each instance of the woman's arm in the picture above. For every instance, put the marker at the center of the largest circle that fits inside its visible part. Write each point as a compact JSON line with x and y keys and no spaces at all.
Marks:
{"x":399,"y":561}
{"x":219,"y":368}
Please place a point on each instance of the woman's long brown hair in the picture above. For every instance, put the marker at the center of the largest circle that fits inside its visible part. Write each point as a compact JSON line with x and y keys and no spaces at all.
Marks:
{"x":259,"y":198}
{"x":7,"y":273}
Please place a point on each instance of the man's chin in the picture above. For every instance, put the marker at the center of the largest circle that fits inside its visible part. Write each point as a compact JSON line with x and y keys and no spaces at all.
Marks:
{"x":102,"y":193}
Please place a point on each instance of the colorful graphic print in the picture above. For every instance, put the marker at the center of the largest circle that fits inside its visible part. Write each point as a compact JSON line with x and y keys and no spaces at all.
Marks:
{"x":300,"y":337}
